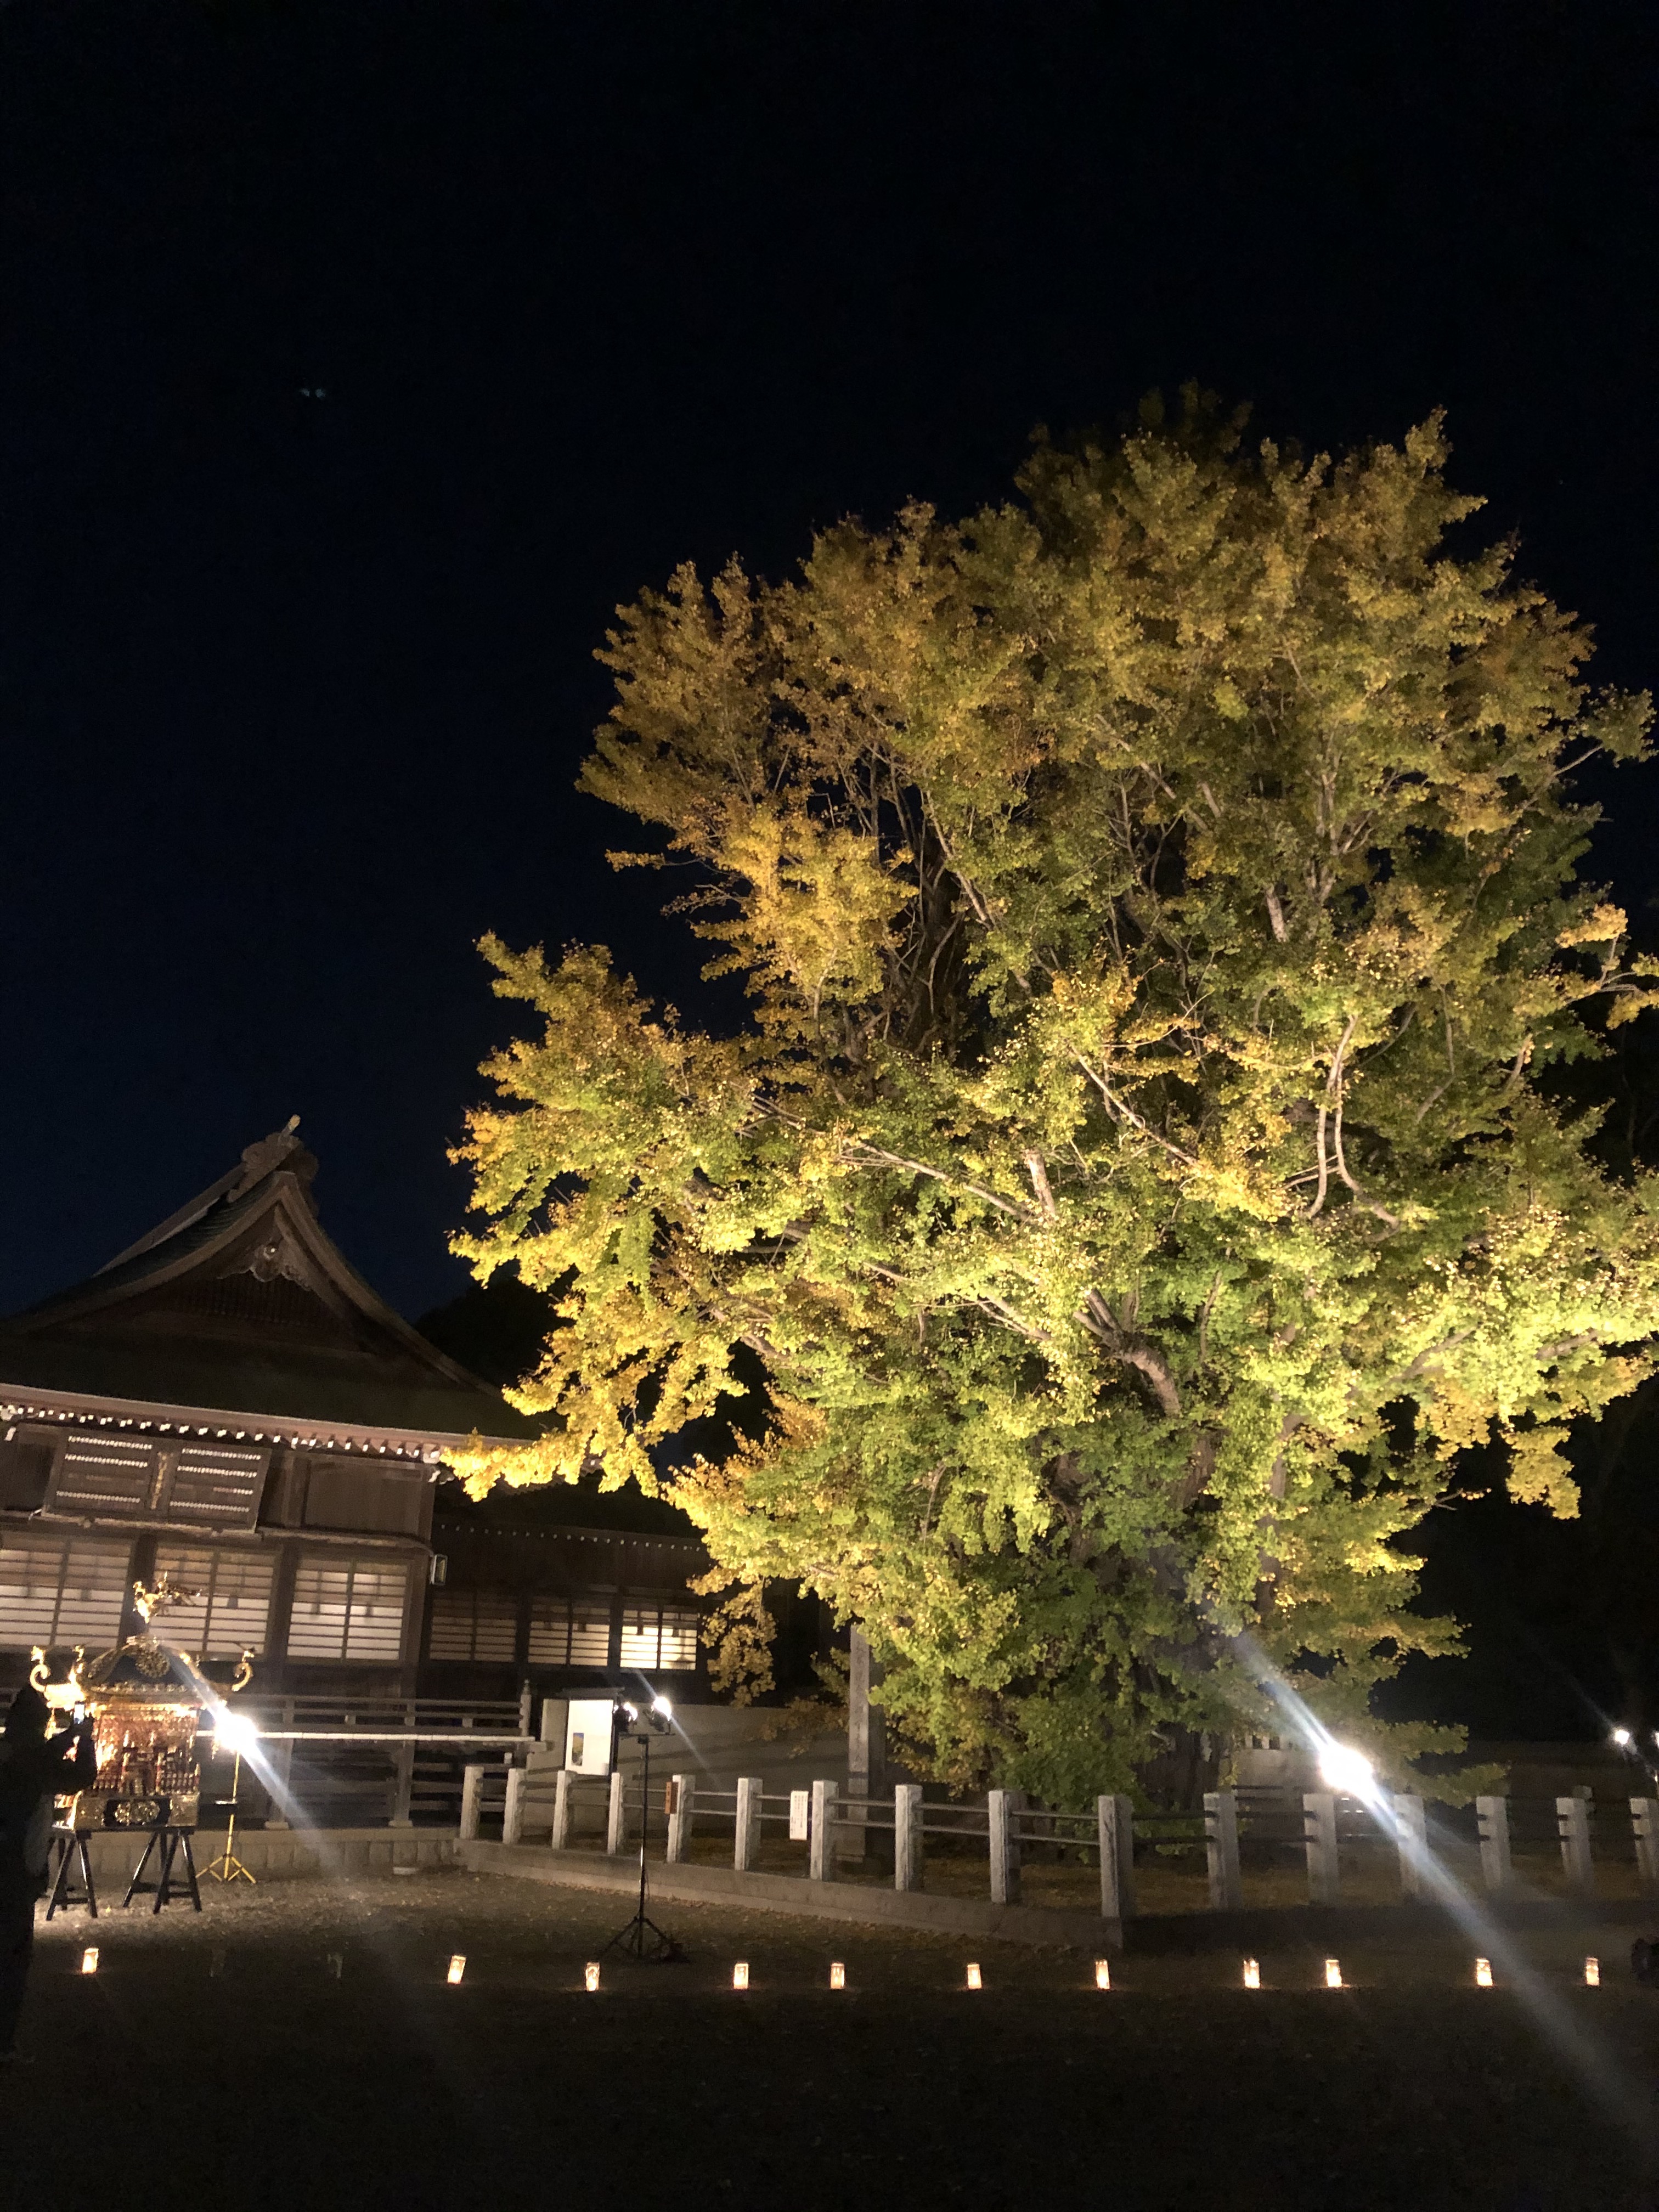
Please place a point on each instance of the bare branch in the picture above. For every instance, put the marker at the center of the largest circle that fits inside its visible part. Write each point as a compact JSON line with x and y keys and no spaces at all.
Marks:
{"x":1119,"y":1106}
{"x":1039,"y":1175}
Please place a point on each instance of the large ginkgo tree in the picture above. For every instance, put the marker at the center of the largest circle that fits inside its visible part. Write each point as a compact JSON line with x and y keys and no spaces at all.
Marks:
{"x":1136,"y":1179}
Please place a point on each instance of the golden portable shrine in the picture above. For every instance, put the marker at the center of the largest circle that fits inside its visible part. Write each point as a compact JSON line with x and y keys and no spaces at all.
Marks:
{"x":145,"y":1699}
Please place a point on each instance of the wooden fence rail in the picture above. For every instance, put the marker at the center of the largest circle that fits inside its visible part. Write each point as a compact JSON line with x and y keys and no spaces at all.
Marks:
{"x":1321,"y":1828}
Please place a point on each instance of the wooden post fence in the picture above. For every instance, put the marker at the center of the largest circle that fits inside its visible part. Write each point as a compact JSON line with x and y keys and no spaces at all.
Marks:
{"x":681,"y":1811}
{"x":1114,"y":1826}
{"x":1221,"y":1846}
{"x":1644,"y":1826}
{"x":512,"y":1810}
{"x":1319,"y":1831}
{"x":1497,"y":1870}
{"x":1411,"y":1835}
{"x":821,"y":1840}
{"x":1572,"y":1825}
{"x":745,"y":1847}
{"x":472,"y":1798}
{"x":1002,"y":1808}
{"x":907,"y":1836}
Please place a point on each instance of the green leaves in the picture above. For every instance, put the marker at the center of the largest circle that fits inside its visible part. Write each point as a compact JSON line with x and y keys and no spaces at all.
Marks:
{"x":1156,"y":900}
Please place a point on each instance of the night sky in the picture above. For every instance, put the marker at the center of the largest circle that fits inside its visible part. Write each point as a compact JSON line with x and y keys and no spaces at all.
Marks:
{"x":293,"y":688}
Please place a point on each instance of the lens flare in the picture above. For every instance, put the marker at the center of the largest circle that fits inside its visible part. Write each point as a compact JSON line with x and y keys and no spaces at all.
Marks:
{"x":1342,"y":1767}
{"x":234,"y":1733}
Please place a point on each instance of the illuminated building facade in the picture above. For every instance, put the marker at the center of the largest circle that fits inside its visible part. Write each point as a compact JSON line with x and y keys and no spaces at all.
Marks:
{"x":229,"y":1404}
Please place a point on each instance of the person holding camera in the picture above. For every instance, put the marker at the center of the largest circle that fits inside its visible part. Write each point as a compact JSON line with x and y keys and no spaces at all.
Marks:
{"x":34,"y":1769}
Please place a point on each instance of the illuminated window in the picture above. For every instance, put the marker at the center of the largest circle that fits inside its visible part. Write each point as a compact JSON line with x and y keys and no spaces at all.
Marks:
{"x":59,"y":1590}
{"x":679,"y":1639}
{"x":659,"y":1635}
{"x":474,"y":1624}
{"x":233,"y":1612}
{"x":569,"y":1632}
{"x":347,"y":1612}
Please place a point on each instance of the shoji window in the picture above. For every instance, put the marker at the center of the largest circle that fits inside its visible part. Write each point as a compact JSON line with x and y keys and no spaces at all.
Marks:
{"x":570,"y":1631}
{"x":61,"y":1590}
{"x":474,"y":1624}
{"x":347,"y":1611}
{"x":660,"y":1635}
{"x":232,"y":1613}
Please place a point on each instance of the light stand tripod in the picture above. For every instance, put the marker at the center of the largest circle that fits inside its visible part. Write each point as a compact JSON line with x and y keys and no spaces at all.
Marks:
{"x":642,"y":1939}
{"x":228,"y":1867}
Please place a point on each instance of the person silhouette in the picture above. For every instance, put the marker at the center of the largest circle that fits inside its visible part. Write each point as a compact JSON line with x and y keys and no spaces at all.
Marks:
{"x":35,"y":1768}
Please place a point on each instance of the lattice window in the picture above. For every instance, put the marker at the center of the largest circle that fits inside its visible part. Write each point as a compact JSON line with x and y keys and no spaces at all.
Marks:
{"x":99,"y":1473}
{"x":347,"y":1612}
{"x":679,"y":1638}
{"x":214,"y":1484}
{"x":481,"y":1625}
{"x":58,"y":1590}
{"x":233,"y":1613}
{"x":663,"y":1637}
{"x":217,"y":1484}
{"x":569,"y":1632}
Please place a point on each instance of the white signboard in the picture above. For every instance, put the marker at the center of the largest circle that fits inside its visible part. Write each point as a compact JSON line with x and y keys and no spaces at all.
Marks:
{"x":587,"y":1735}
{"x":800,"y":1816}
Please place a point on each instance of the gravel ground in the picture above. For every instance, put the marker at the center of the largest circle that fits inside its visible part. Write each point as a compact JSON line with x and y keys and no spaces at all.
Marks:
{"x":223,"y":2058}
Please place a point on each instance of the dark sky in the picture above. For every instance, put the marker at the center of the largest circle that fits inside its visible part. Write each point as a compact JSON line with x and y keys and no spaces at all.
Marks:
{"x":293,"y":689}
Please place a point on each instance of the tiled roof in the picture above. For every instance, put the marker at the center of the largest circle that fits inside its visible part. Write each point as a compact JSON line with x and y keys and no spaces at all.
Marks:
{"x":241,"y":1302}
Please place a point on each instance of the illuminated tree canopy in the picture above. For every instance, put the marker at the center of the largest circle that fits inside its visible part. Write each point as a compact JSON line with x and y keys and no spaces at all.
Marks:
{"x":1155,"y":897}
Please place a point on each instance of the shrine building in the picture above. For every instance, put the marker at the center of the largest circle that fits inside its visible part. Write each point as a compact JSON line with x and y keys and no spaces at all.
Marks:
{"x":229,"y":1403}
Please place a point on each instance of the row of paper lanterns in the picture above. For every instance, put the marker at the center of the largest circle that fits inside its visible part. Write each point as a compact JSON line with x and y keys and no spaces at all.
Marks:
{"x":975,"y":1980}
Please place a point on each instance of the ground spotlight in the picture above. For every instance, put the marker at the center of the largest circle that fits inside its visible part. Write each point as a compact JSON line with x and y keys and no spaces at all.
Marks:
{"x":457,"y":1968}
{"x":838,"y":1976}
{"x":1103,"y":1974}
{"x":973,"y":1980}
{"x":1483,"y":1973}
{"x":591,"y":1974}
{"x":740,"y":1975}
{"x":89,"y":1960}
{"x":1333,"y":1973}
{"x":1252,"y":1973}
{"x":1592,"y":1974}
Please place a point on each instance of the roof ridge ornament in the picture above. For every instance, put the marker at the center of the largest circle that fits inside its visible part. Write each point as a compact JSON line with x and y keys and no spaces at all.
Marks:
{"x":278,"y":1150}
